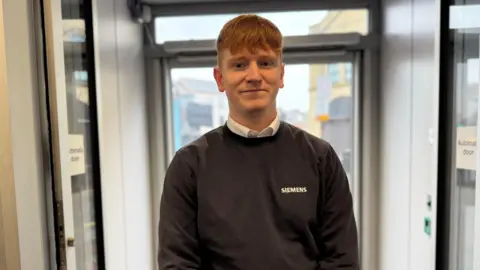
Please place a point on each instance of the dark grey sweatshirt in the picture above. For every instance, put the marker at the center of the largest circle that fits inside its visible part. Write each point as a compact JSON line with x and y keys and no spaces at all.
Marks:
{"x":280,"y":202}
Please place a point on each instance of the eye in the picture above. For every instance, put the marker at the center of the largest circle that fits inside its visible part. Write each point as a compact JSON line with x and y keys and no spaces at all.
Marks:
{"x":266,"y":63}
{"x":239,"y":65}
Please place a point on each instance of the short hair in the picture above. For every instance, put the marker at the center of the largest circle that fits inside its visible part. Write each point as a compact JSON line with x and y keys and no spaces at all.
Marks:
{"x":251,"y":32}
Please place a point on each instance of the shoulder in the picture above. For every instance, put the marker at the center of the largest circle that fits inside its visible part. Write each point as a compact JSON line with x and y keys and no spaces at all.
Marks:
{"x":327,"y":161}
{"x":192,"y":153}
{"x":317,"y":146}
{"x":315,"y":149}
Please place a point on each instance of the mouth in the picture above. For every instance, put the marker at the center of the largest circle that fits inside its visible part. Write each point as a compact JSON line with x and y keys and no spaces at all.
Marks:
{"x":253,"y":91}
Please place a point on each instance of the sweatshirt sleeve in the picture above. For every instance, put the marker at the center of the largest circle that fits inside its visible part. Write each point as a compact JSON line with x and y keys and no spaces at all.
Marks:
{"x":178,"y":235}
{"x":338,"y":230}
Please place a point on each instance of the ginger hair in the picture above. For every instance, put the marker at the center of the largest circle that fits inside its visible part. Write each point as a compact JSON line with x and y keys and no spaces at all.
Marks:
{"x":250,"y":32}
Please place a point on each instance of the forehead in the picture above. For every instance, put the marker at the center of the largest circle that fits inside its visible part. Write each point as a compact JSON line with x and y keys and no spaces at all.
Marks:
{"x":247,"y":54}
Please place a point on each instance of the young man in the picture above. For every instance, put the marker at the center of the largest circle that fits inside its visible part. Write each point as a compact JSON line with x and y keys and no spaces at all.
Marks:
{"x":256,"y":193}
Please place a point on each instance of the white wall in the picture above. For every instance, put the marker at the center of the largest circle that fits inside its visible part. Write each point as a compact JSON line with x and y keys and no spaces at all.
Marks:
{"x":409,"y":113}
{"x":22,"y":92}
{"x":123,"y":132}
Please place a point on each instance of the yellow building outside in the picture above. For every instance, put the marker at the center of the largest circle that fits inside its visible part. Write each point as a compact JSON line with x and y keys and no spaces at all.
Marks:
{"x":339,"y":74}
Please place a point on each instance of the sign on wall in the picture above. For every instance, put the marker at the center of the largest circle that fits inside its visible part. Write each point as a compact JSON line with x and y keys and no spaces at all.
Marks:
{"x":76,"y":154}
{"x":467,"y":148}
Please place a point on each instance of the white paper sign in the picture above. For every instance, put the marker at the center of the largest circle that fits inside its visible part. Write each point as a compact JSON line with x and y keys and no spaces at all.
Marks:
{"x":76,"y":154}
{"x":467,"y":148}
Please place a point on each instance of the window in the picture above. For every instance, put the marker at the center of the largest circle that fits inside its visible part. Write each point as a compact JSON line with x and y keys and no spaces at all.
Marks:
{"x":84,"y":203}
{"x":334,"y":73}
{"x":309,"y":101}
{"x":318,"y":95}
{"x":306,"y":22}
{"x":348,"y":72}
{"x":81,"y":76}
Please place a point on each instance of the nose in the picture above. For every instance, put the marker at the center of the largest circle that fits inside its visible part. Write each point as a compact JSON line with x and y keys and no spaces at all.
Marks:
{"x":253,"y":73}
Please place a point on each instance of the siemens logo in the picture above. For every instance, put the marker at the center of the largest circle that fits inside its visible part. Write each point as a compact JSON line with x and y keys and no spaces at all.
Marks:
{"x":294,"y":189}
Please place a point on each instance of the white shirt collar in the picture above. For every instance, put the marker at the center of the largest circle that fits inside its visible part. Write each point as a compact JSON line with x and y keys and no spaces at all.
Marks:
{"x":243,"y":131}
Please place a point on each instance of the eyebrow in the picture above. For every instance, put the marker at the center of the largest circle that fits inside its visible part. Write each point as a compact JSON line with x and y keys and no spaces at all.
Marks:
{"x":237,"y":58}
{"x":243,"y":58}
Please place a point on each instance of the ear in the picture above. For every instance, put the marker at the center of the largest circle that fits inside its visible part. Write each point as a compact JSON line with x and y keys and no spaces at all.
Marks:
{"x":217,"y":74}
{"x":282,"y":74}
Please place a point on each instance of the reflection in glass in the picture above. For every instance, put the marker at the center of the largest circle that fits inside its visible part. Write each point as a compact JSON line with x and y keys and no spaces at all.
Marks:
{"x":305,"y":23}
{"x":466,"y":75}
{"x":80,"y":135}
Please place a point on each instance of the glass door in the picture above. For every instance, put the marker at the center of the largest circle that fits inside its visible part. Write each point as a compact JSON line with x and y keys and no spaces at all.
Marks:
{"x":73,"y":126}
{"x":319,"y":97}
{"x":465,"y":195}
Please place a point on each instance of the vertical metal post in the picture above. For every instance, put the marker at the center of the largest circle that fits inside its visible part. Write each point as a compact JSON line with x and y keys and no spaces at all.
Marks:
{"x":159,"y":148}
{"x":45,"y":129}
{"x":357,"y":133}
{"x":59,"y":131}
{"x":368,"y":156}
{"x":168,"y":112}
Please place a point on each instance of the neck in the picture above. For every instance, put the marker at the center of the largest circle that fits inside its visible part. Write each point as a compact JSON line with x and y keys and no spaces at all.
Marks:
{"x":255,"y":120}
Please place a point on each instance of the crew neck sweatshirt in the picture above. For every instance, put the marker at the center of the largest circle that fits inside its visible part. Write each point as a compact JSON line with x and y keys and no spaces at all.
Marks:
{"x":280,"y":202}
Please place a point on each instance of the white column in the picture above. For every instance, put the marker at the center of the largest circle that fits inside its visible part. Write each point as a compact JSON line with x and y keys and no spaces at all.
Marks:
{"x":9,"y":245}
{"x":23,"y":226}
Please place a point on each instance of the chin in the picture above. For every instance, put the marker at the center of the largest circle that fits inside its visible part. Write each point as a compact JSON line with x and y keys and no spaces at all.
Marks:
{"x":255,"y":106}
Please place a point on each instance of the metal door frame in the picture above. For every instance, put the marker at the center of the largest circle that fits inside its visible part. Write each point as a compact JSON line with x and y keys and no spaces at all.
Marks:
{"x":196,"y":7}
{"x":55,"y":64}
{"x":53,"y":109}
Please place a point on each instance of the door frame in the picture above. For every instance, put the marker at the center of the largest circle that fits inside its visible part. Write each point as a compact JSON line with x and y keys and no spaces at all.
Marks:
{"x":51,"y":64}
{"x":291,"y":58}
{"x":62,"y":189}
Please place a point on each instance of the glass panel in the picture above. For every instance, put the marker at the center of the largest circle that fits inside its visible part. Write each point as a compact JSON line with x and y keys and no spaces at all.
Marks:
{"x":80,"y":135}
{"x":312,"y":99}
{"x":305,"y":23}
{"x":466,"y":36}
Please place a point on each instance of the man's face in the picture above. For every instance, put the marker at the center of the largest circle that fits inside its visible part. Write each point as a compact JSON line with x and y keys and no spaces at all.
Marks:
{"x":250,"y":81}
